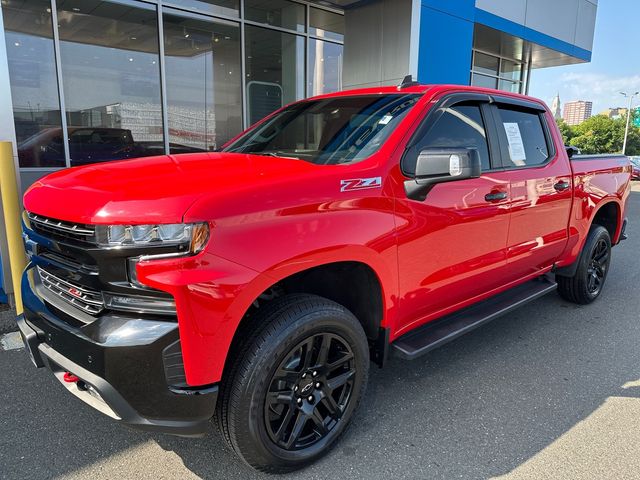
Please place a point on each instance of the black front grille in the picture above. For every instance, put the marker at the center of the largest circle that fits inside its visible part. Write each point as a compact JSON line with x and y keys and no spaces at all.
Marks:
{"x":88,"y":301}
{"x":62,"y":230}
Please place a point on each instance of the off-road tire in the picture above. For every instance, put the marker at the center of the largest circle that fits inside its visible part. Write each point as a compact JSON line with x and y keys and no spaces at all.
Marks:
{"x":580,"y":288}
{"x":270,"y":337}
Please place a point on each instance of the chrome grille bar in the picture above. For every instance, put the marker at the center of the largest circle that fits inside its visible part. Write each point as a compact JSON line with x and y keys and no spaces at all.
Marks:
{"x":82,"y":298}
{"x":62,"y":230}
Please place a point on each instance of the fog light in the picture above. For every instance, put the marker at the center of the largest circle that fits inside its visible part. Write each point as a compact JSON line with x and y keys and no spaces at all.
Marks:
{"x":141,"y":304}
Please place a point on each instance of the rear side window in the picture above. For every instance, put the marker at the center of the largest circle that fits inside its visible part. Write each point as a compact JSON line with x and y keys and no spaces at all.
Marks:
{"x":460,"y":126}
{"x":525,"y":137}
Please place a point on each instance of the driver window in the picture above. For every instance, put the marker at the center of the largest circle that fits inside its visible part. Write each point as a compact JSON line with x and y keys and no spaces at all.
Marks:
{"x":460,"y":126}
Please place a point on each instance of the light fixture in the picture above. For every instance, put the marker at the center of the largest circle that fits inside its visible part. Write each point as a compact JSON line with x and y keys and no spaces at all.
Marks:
{"x":191,"y":235}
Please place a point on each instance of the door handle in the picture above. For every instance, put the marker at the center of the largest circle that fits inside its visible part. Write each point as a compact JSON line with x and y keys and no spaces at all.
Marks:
{"x":495,"y":196}
{"x":562,"y":186}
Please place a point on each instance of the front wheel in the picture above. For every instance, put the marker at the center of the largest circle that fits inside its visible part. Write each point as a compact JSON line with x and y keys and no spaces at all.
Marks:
{"x":587,"y":282}
{"x":295,"y":385}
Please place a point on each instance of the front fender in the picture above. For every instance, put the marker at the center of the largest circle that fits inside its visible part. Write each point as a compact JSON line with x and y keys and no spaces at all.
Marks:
{"x":213,"y":294}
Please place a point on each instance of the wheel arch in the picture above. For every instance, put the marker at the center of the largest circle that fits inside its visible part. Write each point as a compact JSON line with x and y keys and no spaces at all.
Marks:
{"x":354,"y":284}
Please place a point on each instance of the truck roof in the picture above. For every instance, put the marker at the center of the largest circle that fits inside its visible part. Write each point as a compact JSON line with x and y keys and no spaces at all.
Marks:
{"x":422,"y":89}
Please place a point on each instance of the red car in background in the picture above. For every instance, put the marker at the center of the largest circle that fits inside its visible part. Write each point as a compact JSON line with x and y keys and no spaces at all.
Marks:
{"x":635,"y":168}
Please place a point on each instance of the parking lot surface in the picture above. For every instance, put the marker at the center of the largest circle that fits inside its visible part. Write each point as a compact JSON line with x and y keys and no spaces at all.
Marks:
{"x":550,"y":391}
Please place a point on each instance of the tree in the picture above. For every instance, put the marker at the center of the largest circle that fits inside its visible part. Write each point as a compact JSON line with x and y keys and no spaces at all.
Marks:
{"x":601,"y":134}
{"x":565,"y":130}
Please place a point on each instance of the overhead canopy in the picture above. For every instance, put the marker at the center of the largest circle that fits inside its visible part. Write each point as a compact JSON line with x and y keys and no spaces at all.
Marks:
{"x":505,"y":45}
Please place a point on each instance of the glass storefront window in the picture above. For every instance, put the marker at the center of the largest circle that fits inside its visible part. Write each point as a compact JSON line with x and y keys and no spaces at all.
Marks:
{"x":509,"y":86}
{"x":483,"y":63}
{"x":229,"y":8}
{"x":483,"y":81}
{"x":510,"y":70}
{"x":275,"y":70}
{"x":34,"y":87}
{"x":325,"y":67}
{"x":111,"y":79}
{"x":280,"y":13}
{"x":326,"y":24}
{"x":203,"y":77}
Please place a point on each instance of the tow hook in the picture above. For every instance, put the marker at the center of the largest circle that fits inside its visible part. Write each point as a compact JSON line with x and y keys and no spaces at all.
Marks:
{"x":70,"y":377}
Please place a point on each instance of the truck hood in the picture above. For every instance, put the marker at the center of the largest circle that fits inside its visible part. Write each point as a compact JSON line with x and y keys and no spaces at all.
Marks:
{"x":153,"y":189}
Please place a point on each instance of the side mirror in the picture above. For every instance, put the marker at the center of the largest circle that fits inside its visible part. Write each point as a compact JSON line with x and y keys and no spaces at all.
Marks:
{"x":572,"y":151}
{"x":439,"y":165}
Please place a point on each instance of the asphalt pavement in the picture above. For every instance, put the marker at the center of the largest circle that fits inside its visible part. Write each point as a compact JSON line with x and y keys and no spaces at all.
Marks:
{"x":550,"y":391}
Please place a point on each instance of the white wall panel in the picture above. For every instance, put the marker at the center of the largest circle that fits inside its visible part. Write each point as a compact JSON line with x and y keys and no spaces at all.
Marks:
{"x":586,"y":24}
{"x":514,"y":10}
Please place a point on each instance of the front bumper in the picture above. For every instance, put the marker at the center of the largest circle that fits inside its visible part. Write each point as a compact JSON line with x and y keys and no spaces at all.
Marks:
{"x":125,"y":364}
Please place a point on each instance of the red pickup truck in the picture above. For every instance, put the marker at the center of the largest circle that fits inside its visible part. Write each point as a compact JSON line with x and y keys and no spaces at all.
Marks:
{"x":255,"y":284}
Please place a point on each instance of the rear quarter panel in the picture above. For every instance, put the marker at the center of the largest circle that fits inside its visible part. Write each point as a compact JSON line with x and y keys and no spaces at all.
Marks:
{"x":597,"y":181}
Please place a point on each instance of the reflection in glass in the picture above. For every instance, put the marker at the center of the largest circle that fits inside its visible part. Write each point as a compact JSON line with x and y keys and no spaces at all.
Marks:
{"x":230,"y":8}
{"x":204,"y":98}
{"x":275,"y":70}
{"x":34,"y":87}
{"x":325,"y":67}
{"x":509,"y":86}
{"x":326,"y":24}
{"x":483,"y":81}
{"x":280,"y":13}
{"x":483,"y":63}
{"x":111,"y":78}
{"x":510,"y":70}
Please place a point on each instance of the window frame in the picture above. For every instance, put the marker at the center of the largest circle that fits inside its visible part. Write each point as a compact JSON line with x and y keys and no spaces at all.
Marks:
{"x":530,"y":108}
{"x":433,"y":115}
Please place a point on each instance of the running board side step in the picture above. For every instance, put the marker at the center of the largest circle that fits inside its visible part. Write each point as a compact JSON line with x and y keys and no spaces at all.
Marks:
{"x":435,"y":334}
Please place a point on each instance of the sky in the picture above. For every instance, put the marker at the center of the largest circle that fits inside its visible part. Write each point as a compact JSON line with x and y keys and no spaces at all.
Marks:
{"x":614,"y":67}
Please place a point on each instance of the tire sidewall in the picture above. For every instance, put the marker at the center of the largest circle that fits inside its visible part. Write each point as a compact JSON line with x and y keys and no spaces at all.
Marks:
{"x":250,"y":415}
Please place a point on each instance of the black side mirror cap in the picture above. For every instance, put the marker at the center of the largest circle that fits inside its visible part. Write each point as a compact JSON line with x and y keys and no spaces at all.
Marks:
{"x":440,"y":165}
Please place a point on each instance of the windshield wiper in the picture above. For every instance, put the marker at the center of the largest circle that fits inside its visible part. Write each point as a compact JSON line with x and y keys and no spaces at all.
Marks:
{"x":274,"y":154}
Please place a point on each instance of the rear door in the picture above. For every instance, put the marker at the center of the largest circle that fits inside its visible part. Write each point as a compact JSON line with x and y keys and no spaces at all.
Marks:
{"x":541,"y":188}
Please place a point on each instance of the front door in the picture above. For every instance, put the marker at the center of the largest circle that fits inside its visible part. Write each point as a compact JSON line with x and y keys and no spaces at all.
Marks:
{"x":452,"y":245}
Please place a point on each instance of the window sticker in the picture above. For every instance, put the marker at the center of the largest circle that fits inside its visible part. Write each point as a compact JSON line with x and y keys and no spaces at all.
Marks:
{"x":385,"y":120}
{"x":516,"y":147}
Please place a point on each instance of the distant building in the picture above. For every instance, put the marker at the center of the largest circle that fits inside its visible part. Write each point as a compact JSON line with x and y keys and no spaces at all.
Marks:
{"x":556,"y":107}
{"x":615,"y":113}
{"x":577,"y":112}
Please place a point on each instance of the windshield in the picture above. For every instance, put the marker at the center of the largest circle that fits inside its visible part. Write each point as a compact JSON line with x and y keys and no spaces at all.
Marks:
{"x":329,"y":131}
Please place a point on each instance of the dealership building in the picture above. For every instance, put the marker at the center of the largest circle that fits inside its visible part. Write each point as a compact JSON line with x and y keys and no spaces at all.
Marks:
{"x":84,"y":81}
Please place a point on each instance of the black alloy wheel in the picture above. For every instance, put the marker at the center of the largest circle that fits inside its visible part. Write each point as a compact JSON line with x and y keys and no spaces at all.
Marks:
{"x":587,"y":282}
{"x":293,"y":383}
{"x":309,"y":391}
{"x":597,"y":270}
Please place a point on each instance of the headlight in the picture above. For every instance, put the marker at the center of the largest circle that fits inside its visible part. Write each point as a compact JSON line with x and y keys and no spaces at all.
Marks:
{"x":191,"y":235}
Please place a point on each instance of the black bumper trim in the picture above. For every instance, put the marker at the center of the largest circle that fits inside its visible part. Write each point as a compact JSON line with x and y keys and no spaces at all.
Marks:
{"x":119,"y":362}
{"x":120,"y":406}
{"x":44,"y":355}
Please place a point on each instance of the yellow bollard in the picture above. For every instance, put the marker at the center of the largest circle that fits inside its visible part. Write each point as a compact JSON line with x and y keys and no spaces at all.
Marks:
{"x":12,"y":210}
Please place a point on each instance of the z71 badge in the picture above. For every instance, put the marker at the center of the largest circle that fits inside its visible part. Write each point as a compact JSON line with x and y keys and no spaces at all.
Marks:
{"x":360,"y":184}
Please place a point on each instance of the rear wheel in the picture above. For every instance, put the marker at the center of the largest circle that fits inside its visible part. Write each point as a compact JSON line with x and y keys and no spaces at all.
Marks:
{"x":587,"y":282}
{"x":296,"y":384}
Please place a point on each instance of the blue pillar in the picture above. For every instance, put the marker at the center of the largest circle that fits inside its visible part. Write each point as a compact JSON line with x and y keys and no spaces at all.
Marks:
{"x":446,"y":41}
